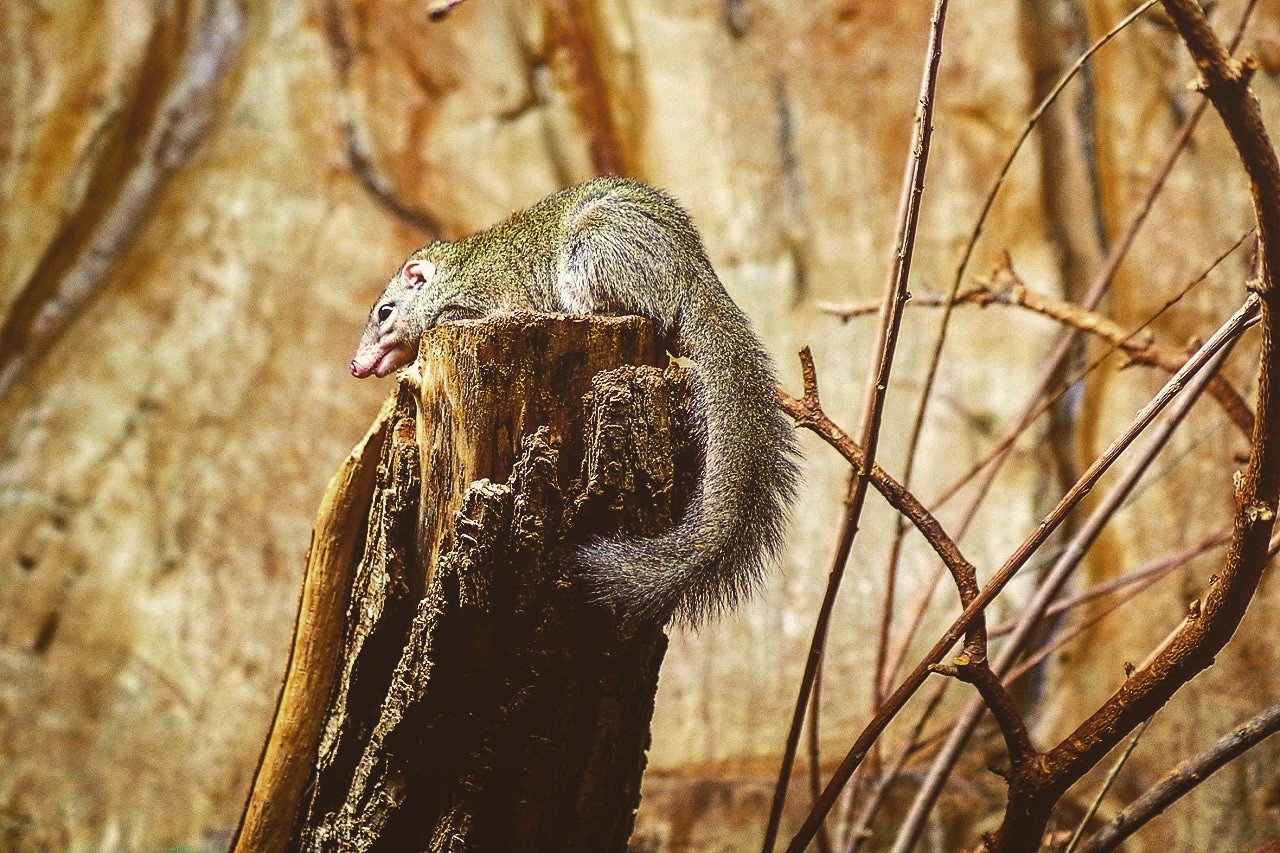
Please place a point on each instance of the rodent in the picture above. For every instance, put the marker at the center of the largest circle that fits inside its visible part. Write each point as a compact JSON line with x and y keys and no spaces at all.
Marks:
{"x":618,"y":246}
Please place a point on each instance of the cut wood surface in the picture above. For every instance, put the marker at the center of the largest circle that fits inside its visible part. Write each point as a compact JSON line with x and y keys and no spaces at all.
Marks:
{"x":450,"y":686}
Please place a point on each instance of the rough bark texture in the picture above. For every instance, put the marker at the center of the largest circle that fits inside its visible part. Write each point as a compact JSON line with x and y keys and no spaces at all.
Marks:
{"x":473,"y":698}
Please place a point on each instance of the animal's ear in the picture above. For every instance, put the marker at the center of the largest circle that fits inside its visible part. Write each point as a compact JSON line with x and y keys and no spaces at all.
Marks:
{"x":417,"y":273}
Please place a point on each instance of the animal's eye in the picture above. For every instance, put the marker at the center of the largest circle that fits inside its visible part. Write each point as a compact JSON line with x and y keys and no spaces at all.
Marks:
{"x":384,"y":313}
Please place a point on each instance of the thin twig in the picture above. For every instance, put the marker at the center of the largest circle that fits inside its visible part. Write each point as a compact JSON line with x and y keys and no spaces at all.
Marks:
{"x":1138,"y":577}
{"x":999,"y":453}
{"x":1055,"y":579}
{"x":815,"y":755}
{"x":881,"y":674}
{"x":1032,"y":661}
{"x":1140,"y":580}
{"x":1184,"y":778}
{"x":1058,"y":359}
{"x":1036,"y":115}
{"x":998,"y":701}
{"x":1006,"y":287}
{"x":1035,"y":793}
{"x":808,"y":414}
{"x":944,"y":324}
{"x":873,"y":409}
{"x":1229,"y":331}
{"x":861,"y":830}
{"x":1040,"y":404}
{"x":1106,"y":785}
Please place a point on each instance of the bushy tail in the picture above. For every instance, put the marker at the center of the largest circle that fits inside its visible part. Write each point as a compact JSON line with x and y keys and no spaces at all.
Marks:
{"x":733,"y":528}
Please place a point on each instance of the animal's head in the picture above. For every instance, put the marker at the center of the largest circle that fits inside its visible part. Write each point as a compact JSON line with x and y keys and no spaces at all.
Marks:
{"x":390,"y":339}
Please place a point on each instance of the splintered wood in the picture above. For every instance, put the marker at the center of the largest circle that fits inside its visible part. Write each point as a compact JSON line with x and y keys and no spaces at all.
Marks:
{"x":449,"y":685}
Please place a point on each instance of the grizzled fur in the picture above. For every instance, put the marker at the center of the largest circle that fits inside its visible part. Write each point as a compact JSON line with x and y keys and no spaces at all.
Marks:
{"x":615,"y":246}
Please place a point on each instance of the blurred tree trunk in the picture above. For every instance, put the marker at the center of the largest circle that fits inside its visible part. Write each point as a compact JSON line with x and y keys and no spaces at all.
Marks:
{"x":465,"y":695}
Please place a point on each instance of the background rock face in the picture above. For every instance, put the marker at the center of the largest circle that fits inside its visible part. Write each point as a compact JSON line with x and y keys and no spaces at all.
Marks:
{"x":203,"y":196}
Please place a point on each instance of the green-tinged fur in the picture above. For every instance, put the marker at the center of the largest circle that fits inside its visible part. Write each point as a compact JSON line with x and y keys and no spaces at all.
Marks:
{"x":615,"y":246}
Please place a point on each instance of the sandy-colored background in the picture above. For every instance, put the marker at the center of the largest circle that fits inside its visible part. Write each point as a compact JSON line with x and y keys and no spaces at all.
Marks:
{"x":201,"y":197}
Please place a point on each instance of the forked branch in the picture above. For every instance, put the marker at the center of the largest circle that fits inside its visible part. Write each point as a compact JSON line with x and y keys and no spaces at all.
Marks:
{"x":1033,"y":794}
{"x":807,"y":412}
{"x":1005,"y":287}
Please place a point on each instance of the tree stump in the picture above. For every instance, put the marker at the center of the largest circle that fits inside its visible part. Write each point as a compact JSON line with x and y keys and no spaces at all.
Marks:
{"x":450,"y":685}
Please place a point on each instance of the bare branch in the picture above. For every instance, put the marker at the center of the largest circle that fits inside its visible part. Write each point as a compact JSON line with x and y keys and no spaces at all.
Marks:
{"x":1106,"y":786}
{"x":1096,"y":291}
{"x":1184,"y":778}
{"x":999,"y":452}
{"x":998,"y":701}
{"x":1058,"y":358}
{"x":1050,"y":586}
{"x":895,"y":297}
{"x":1226,"y":82}
{"x":1228,"y":332}
{"x":1005,"y":287}
{"x":810,"y":416}
{"x":1139,"y":577}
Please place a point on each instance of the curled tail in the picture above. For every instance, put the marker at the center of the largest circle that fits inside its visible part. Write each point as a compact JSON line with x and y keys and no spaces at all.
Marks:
{"x":733,"y":529}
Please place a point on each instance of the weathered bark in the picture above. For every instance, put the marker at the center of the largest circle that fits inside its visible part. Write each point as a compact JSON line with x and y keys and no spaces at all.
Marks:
{"x":466,"y":695}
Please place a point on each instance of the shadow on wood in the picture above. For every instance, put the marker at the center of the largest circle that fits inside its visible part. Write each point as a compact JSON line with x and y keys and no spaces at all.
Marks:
{"x":449,"y":687}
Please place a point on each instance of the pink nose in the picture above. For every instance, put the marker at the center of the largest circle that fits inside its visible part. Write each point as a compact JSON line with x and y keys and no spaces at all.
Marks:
{"x":356,"y":371}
